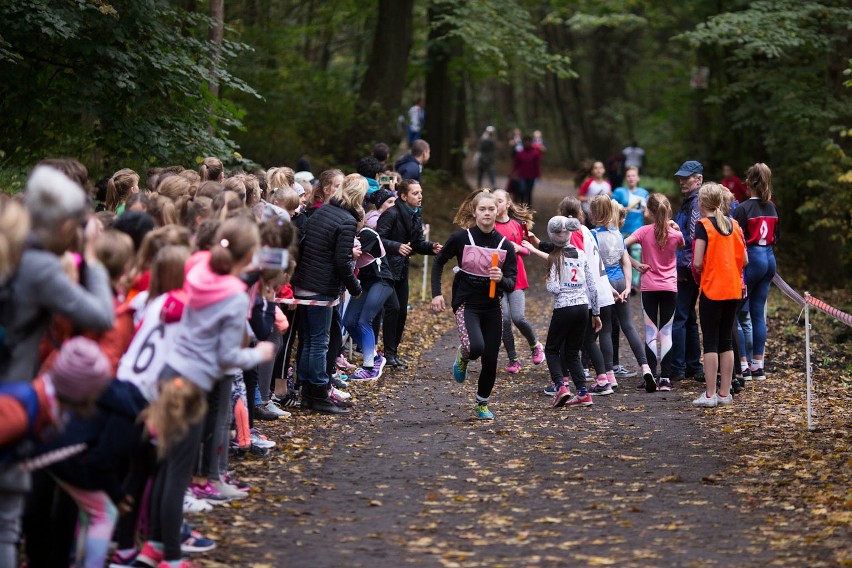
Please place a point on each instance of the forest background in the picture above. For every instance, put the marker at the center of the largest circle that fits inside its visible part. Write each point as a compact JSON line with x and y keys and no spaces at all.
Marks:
{"x":139,"y":83}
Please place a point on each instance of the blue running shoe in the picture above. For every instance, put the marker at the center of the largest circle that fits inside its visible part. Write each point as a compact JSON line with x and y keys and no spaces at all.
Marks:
{"x":460,"y":368}
{"x":550,"y":390}
{"x":482,"y":413}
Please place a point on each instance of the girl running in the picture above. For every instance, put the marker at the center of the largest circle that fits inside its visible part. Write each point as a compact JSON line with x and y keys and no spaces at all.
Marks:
{"x":719,"y":258}
{"x":758,"y":218}
{"x":574,"y":291}
{"x":594,"y":186}
{"x":659,"y":242}
{"x":617,"y":264}
{"x":513,"y":223}
{"x":478,"y":286}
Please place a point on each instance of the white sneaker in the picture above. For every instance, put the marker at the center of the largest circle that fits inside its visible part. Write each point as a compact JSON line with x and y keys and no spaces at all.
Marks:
{"x":193,"y":505}
{"x":342,"y":395}
{"x":704,"y":402}
{"x":261,"y":441}
{"x":724,"y":400}
{"x":229,"y":491}
{"x":276,"y":410}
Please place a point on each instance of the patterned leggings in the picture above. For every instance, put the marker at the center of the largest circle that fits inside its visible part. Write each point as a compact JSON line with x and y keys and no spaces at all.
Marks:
{"x":97,"y":519}
{"x":480,"y":333}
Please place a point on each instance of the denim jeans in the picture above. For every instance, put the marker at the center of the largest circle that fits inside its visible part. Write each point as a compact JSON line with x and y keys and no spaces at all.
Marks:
{"x":359,"y":316}
{"x":758,"y":276}
{"x":686,"y":349}
{"x":314,"y":327}
{"x":746,"y":332}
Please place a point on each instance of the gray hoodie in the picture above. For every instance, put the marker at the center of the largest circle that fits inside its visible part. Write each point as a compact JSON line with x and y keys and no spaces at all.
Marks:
{"x":40,"y":289}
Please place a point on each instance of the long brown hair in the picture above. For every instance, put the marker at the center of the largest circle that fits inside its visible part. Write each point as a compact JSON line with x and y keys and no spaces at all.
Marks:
{"x":119,"y":186}
{"x":466,"y":216}
{"x":602,"y":212}
{"x":521,"y":213}
{"x":661,"y":213}
{"x":211,"y":169}
{"x":167,"y":270}
{"x":759,"y":181}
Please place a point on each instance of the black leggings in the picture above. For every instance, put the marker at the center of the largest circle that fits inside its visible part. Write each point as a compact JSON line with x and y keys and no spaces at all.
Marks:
{"x":591,"y":349}
{"x":480,"y":334}
{"x":282,"y":358}
{"x":396,"y":315}
{"x":659,"y":308}
{"x":170,"y":483}
{"x":564,"y":339}
{"x":717,"y":319}
{"x":622,"y":312}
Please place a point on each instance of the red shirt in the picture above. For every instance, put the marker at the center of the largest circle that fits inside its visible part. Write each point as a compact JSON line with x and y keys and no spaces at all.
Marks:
{"x":513,"y":230}
{"x":737,"y":187}
{"x":526,"y":164}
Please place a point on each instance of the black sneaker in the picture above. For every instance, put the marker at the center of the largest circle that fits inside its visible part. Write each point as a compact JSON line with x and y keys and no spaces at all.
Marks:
{"x":747,"y":374}
{"x":758,"y":375}
{"x":289,"y":399}
{"x":738,"y":385}
{"x":262,"y":413}
{"x":319,"y":400}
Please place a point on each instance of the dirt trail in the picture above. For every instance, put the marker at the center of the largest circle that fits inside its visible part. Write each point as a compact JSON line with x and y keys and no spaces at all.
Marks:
{"x":410,"y":478}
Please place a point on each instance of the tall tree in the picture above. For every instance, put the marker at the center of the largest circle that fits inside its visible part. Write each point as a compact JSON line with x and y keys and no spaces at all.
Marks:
{"x":215,"y":36}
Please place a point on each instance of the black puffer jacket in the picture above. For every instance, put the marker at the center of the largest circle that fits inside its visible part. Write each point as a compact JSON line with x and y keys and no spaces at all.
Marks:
{"x":325,"y":251}
{"x":397,"y":226}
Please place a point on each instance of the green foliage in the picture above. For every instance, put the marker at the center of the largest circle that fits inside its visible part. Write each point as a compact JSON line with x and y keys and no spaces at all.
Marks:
{"x":499,"y":36}
{"x":115,"y":83}
{"x":782,"y":93}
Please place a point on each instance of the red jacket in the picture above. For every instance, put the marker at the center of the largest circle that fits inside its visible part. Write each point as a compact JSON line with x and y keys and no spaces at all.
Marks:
{"x":526,"y":164}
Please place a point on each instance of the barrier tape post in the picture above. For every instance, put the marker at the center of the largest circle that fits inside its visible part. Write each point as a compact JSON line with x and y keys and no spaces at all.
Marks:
{"x":425,"y":265}
{"x":808,"y":360}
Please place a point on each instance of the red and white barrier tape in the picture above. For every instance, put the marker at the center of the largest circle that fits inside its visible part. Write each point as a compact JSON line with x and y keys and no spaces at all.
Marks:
{"x":52,"y":457}
{"x":788,"y":291}
{"x":297,"y":302}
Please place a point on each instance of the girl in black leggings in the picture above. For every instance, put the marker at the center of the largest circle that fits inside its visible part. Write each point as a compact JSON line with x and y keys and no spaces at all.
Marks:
{"x":477,"y":310}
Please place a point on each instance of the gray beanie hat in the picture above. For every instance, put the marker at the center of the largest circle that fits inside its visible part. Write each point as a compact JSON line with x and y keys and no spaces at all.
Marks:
{"x":558,"y":224}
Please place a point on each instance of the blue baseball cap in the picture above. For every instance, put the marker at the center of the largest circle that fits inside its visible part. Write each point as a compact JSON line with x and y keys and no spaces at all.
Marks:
{"x":689,"y":168}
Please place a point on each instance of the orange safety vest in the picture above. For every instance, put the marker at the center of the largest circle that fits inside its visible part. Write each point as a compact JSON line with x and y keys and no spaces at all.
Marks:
{"x":721,"y":278}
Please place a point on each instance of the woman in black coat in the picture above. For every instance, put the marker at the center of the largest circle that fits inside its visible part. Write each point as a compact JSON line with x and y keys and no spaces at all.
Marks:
{"x":325,"y":266}
{"x":401,"y":230}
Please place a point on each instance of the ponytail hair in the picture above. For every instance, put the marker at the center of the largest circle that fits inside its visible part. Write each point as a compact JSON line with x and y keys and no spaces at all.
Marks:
{"x":570,"y":207}
{"x":602,"y":212}
{"x":661,"y":213}
{"x":162,"y":210}
{"x":711,"y":196}
{"x":465,"y":216}
{"x":167,"y":270}
{"x":211,"y":169}
{"x":181,"y":404}
{"x":234,"y":240}
{"x":759,"y":181}
{"x":119,"y":186}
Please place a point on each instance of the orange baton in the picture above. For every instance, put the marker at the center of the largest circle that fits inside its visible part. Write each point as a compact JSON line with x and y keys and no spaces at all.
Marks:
{"x":493,"y":288}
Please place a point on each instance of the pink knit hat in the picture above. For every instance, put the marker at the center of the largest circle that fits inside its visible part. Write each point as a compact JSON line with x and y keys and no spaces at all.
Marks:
{"x":81,"y":371}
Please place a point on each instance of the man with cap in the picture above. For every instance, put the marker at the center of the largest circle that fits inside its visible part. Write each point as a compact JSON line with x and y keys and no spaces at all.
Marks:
{"x":686,"y":349}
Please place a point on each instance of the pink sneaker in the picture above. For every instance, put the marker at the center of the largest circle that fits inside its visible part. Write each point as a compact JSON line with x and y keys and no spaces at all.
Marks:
{"x":344,"y":365}
{"x":537,"y":354}
{"x":149,"y":556}
{"x":577,"y":400}
{"x":513,"y":367}
{"x":612,"y":382}
{"x":183,"y":564}
{"x":562,"y":395}
{"x":207,"y":492}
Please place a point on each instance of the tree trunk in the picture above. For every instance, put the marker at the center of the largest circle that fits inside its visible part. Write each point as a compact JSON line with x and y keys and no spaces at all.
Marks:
{"x":215,"y":35}
{"x":384,"y":80}
{"x":442,"y":98}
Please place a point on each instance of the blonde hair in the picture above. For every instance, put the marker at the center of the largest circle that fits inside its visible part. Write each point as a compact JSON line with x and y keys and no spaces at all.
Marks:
{"x":711,"y":196}
{"x":181,"y":404}
{"x":167,"y":270}
{"x":619,"y":213}
{"x":352,"y":192}
{"x":602,"y":212}
{"x":14,"y":226}
{"x":234,"y":240}
{"x":211,"y":169}
{"x":466,"y":216}
{"x":278,"y":178}
{"x":114,"y":250}
{"x":759,"y":181}
{"x":163,"y":210}
{"x":174,"y":187}
{"x":661,"y":212}
{"x":119,"y":186}
{"x":521,"y":213}
{"x":286,"y":198}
